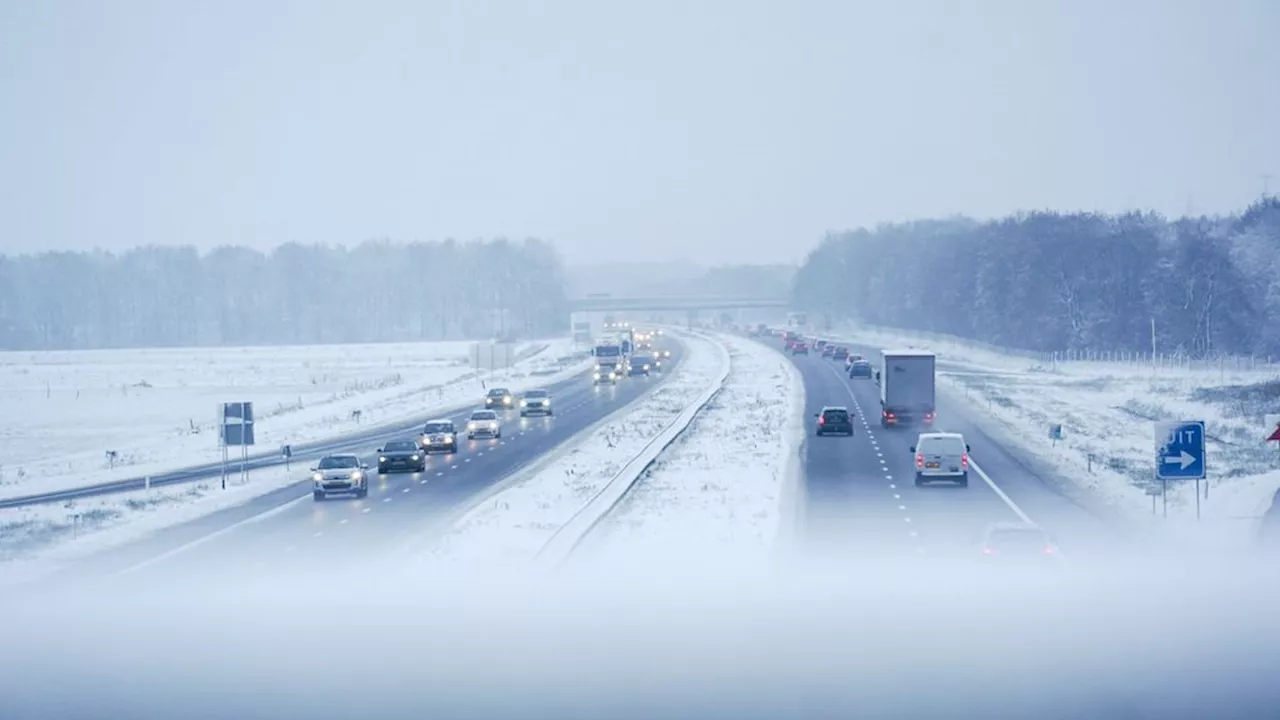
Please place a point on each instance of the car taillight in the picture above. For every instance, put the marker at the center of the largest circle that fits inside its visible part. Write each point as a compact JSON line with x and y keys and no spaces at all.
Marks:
{"x":964,"y":461}
{"x":822,"y":421}
{"x":988,"y":550}
{"x":919,"y":461}
{"x":1048,"y":550}
{"x":928,"y":417}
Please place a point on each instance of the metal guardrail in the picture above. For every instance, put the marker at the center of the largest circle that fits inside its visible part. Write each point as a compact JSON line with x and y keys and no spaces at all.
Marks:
{"x":569,"y":536}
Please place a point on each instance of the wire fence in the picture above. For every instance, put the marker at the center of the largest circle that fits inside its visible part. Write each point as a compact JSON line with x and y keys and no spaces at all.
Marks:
{"x":1214,"y":362}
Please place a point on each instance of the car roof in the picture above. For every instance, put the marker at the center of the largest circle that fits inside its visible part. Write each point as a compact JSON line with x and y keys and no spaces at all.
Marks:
{"x":441,"y":421}
{"x":1019,"y":526}
{"x":910,"y":353}
{"x":342,"y":455}
{"x":841,"y":408}
{"x":499,"y":390}
{"x":939,"y":436}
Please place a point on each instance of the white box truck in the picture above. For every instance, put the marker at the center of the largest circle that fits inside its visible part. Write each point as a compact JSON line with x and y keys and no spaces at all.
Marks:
{"x":907,"y":392}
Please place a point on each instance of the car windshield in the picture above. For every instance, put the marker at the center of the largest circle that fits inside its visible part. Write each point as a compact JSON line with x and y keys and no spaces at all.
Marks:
{"x":836,"y":415}
{"x":483,"y":415}
{"x":497,"y":392}
{"x":340,"y":462}
{"x":536,"y":394}
{"x":439,"y":428}
{"x":399,"y":446}
{"x":641,"y":359}
{"x":942,"y":446}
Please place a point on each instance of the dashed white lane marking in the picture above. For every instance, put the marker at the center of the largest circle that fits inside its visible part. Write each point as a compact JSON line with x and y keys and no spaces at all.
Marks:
{"x":407,"y":489}
{"x":290,"y":548}
{"x":902,"y":507}
{"x":479,"y":454}
{"x":440,"y":474}
{"x":343,"y":521}
{"x":453,"y":467}
{"x":422,"y":482}
{"x":907,"y":519}
{"x":892,"y":486}
{"x":367,"y":510}
{"x":386,"y":499}
{"x":469,"y":459}
{"x":896,"y":496}
{"x":317,"y":533}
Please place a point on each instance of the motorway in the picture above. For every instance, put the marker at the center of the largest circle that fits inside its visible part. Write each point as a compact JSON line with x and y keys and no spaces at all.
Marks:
{"x":860,"y":498}
{"x":287,"y":529}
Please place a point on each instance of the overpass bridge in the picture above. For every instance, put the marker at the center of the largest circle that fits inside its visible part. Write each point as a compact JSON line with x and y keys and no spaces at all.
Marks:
{"x":691,"y":303}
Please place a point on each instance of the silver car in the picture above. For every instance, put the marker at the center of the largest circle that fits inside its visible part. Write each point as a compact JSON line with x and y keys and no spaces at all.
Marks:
{"x":484,"y":423}
{"x":941,"y":457}
{"x":439,"y":435}
{"x":536,"y":402}
{"x":339,"y":475}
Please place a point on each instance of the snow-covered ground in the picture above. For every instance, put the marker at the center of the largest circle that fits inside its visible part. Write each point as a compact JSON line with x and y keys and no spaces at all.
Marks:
{"x":722,"y":488}
{"x":37,"y":539}
{"x":1108,"y":410}
{"x":155,"y":409}
{"x":512,"y":526}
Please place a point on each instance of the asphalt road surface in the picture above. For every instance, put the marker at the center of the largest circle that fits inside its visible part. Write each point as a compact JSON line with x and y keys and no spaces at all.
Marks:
{"x":287,"y":529}
{"x":860,"y":498}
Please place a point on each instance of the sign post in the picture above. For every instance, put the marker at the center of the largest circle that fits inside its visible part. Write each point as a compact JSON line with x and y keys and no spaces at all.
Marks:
{"x":236,"y":430}
{"x":1180,"y":454}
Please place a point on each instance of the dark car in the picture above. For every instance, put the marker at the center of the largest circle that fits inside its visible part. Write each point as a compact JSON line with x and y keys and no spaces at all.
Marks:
{"x":800,"y":348}
{"x":535,"y":402}
{"x":834,"y":421}
{"x":641,"y":365}
{"x":499,"y":399}
{"x":859,"y":369}
{"x":840,"y":353}
{"x":401,"y":455}
{"x":439,"y":434}
{"x":828,"y":350}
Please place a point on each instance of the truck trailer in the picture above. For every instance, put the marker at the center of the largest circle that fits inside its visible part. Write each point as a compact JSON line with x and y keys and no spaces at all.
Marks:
{"x":907,"y":388}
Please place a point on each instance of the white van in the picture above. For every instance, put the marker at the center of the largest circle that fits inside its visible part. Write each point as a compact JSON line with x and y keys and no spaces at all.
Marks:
{"x":941,"y":457}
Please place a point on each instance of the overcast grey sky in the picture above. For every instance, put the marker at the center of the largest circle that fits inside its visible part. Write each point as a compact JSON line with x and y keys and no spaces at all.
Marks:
{"x":714,"y":131}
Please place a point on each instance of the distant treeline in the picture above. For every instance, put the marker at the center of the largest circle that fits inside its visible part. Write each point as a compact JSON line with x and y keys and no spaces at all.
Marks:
{"x":377,"y":291}
{"x":1049,"y":281}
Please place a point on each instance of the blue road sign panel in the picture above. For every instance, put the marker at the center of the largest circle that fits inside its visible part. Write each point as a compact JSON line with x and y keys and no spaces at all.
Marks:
{"x":1180,"y":450}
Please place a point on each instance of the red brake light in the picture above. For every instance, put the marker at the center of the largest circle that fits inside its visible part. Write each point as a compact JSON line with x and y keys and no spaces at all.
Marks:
{"x":988,"y":550}
{"x":964,"y":461}
{"x":919,"y":461}
{"x":1048,"y":550}
{"x":822,"y":421}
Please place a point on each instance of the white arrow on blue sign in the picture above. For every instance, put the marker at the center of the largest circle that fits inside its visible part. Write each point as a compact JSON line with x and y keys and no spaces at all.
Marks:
{"x":1180,"y":450}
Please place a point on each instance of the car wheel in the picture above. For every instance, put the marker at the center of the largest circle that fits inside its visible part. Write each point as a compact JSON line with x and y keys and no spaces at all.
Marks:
{"x":549,"y":413}
{"x":497,"y":435}
{"x":470,"y":436}
{"x":919,"y":480}
{"x":382,"y":470}
{"x":422,"y":468}
{"x":964,"y":480}
{"x":317,"y":495}
{"x":453,"y":449}
{"x":362,"y":493}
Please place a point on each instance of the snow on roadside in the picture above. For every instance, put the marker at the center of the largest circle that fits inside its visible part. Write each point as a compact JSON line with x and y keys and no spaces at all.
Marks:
{"x":513,"y":525}
{"x":155,"y":408}
{"x":1107,"y":411}
{"x":721,"y":488}
{"x":35,"y":540}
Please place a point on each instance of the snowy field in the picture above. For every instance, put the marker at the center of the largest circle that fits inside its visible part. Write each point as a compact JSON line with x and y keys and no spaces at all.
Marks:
{"x":155,"y":409}
{"x":510,"y":527}
{"x":719,"y":491}
{"x":38,"y":539}
{"x":1108,"y":411}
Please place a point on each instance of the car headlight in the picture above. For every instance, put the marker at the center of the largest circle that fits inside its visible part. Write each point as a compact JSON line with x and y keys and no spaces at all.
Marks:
{"x":356,"y":474}
{"x":415,"y":457}
{"x":317,"y":477}
{"x":524,"y":403}
{"x":646,"y":367}
{"x":382,"y":459}
{"x":448,"y":437}
{"x":471,"y":426}
{"x":493,"y":426}
{"x":597,"y":376}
